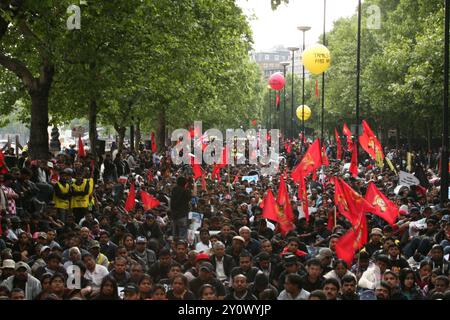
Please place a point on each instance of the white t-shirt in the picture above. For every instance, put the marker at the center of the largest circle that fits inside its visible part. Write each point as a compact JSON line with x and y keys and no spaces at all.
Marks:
{"x":201,"y":247}
{"x":97,"y":275}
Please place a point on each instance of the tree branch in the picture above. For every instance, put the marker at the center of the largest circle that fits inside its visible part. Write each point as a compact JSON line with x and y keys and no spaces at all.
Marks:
{"x":28,"y":33}
{"x":18,"y":68}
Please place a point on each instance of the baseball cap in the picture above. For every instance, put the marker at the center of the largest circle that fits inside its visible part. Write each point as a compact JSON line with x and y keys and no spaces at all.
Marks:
{"x":44,"y":248}
{"x":202,"y":256}
{"x":207,"y":266}
{"x":130,"y":288}
{"x":376,"y":231}
{"x":42,"y":235}
{"x":94,"y":244}
{"x":325,"y":252}
{"x":22,"y":264}
{"x":141,"y":240}
{"x":8,"y":264}
{"x":290,"y":259}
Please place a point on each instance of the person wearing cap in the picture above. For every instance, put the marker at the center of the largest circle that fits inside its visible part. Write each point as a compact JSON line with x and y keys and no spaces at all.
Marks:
{"x":8,"y":266}
{"x":375,"y":241}
{"x":100,"y":258}
{"x":44,"y":251}
{"x":143,"y":255}
{"x":131,"y":292}
{"x":22,"y":279}
{"x":206,"y":275}
{"x":291,"y":266}
{"x":62,"y":195}
{"x":437,"y":259}
{"x":53,"y":266}
{"x":201,"y":257}
{"x":150,"y":228}
{"x":251,"y":245}
{"x":236,"y":248}
{"x":325,"y":257}
{"x":373,"y":275}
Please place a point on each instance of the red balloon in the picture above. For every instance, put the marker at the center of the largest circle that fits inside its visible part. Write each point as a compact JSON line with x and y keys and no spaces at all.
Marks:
{"x":277,"y":81}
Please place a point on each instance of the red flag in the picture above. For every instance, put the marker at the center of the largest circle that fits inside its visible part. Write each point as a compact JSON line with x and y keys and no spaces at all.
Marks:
{"x":354,"y":205}
{"x":331,"y":222}
{"x":150,"y":176}
{"x":384,"y":207}
{"x":346,"y":131}
{"x":370,"y":143}
{"x":354,"y":163}
{"x":303,"y":196}
{"x":270,"y":208}
{"x":236,"y":179}
{"x":338,"y":142}
{"x":203,"y":183}
{"x":310,"y":162}
{"x":254,"y":122}
{"x":197,"y":170}
{"x":149,"y":201}
{"x":81,"y":152}
{"x":317,"y":88}
{"x":353,"y":240}
{"x":325,"y":161}
{"x":285,"y":213}
{"x":3,"y":166}
{"x":216,"y":173}
{"x":131,"y":199}
{"x":153,"y":142}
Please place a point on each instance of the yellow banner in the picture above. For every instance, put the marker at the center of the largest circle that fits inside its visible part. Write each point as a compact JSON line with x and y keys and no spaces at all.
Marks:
{"x":391,"y":166}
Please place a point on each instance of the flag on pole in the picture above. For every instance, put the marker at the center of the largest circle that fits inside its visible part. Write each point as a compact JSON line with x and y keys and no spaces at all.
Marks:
{"x":153,"y":142}
{"x":149,"y":201}
{"x":384,"y":207}
{"x":338,"y":143}
{"x":310,"y":162}
{"x":81,"y":152}
{"x":270,"y":207}
{"x":370,"y":143}
{"x":346,"y":131}
{"x":131,"y":199}
{"x":354,"y":162}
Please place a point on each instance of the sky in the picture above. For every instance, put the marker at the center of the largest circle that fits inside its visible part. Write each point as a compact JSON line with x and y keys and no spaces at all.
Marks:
{"x":273,"y":28}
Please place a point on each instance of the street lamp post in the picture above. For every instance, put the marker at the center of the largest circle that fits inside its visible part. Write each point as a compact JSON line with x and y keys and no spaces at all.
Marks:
{"x":444,"y":151}
{"x":323,"y":74}
{"x":358,"y":71}
{"x":303,"y":29}
{"x":291,"y":130}
{"x":284,"y":64}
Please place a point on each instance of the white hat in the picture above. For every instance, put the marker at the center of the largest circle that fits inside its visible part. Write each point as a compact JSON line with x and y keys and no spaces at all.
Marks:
{"x":8,"y":264}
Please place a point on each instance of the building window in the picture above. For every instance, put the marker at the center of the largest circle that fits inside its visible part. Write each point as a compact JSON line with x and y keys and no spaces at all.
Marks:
{"x":277,"y":57}
{"x":267,"y":57}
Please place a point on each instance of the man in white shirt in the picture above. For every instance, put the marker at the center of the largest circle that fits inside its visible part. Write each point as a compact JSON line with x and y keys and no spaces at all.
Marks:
{"x":94,"y":272}
{"x":205,"y":244}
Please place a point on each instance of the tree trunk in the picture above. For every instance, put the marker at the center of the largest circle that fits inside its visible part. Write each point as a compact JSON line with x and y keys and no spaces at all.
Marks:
{"x":161,"y":129}
{"x":38,"y":143}
{"x":121,"y":133}
{"x":397,"y":138}
{"x":132,"y":136}
{"x":93,"y":127}
{"x":138,"y":135}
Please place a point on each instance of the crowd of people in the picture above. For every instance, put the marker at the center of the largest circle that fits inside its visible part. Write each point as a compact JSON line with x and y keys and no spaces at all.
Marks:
{"x":65,"y":234}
